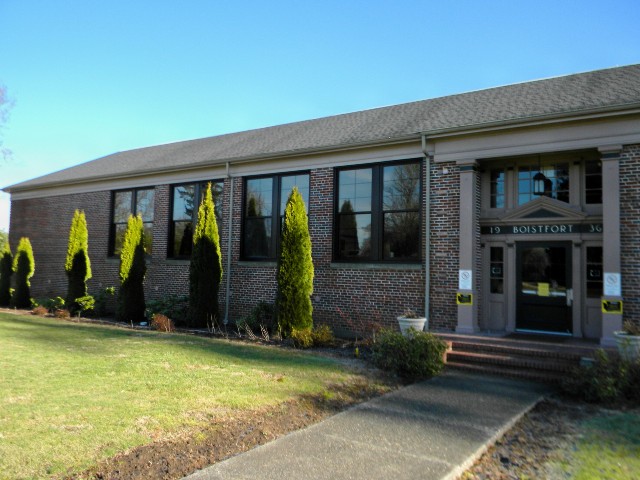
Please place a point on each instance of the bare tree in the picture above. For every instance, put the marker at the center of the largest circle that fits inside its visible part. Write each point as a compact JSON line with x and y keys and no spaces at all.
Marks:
{"x":6,"y":104}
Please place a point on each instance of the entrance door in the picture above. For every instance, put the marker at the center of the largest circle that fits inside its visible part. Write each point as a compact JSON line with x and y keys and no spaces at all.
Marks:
{"x":544,"y":294}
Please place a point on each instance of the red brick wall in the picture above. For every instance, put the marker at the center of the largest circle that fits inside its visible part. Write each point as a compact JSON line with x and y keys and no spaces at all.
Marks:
{"x":630,"y":230}
{"x":346,"y":296}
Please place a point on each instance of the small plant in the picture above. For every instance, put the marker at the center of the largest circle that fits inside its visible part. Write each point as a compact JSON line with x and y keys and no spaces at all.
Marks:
{"x":51,"y":304}
{"x":102,"y":298}
{"x":84,"y":304}
{"x":162,"y":323}
{"x":302,"y":338}
{"x":409,"y":313}
{"x":631,"y":328}
{"x":62,"y":313}
{"x":40,"y":311}
{"x":172,"y":306}
{"x":418,"y":355}
{"x":322,"y":336}
{"x":261,"y":316}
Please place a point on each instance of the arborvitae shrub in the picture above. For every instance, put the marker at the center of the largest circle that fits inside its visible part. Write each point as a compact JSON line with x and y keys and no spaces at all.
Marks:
{"x":205,"y":270}
{"x":24,"y":266}
{"x":295,"y":269}
{"x":78,"y":265}
{"x":133,"y":268}
{"x":6,"y":271}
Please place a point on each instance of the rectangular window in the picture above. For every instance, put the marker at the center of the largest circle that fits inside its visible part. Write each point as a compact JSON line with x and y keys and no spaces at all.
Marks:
{"x":497,"y":270}
{"x":593,"y":182}
{"x":556,"y":182}
{"x":378,"y":213}
{"x":497,"y":188}
{"x":137,"y":201}
{"x":262,"y":222}
{"x":594,"y":272}
{"x":186,"y":200}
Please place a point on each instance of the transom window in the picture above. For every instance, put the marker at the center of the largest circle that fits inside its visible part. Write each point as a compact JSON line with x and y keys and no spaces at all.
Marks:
{"x":593,"y":182}
{"x":137,"y":201}
{"x":186,"y":200}
{"x":556,"y":182}
{"x":262,"y":222}
{"x":378,"y":213}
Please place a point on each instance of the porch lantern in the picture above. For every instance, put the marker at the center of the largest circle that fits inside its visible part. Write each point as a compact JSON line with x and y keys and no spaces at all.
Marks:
{"x":539,"y":181}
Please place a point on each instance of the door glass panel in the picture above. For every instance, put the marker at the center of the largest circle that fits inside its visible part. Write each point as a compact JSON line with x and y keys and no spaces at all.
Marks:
{"x":544,"y":272}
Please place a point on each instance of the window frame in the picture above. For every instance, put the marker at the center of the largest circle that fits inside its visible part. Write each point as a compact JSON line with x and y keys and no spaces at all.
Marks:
{"x":132,"y":211}
{"x":276,"y":218}
{"x":377,"y":214}
{"x":198,"y":189}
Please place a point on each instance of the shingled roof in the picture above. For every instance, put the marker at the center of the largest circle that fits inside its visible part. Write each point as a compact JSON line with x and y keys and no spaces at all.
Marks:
{"x":600,"y":90}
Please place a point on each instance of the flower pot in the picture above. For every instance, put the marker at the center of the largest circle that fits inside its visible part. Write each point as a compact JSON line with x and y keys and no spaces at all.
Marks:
{"x":407,"y":323}
{"x":628,"y":346}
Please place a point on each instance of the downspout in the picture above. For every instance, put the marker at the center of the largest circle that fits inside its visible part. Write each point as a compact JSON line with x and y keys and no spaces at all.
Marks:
{"x":229,"y":178}
{"x":427,"y":223}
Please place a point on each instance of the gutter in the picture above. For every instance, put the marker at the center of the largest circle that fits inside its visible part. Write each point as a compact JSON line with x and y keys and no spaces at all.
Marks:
{"x":427,"y":224}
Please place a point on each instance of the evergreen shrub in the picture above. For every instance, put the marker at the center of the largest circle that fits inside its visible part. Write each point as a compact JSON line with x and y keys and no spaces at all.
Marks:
{"x":172,"y":306}
{"x":418,"y":355}
{"x":77,"y":265}
{"x":301,"y":338}
{"x":205,"y":269}
{"x":295,"y":269}
{"x":24,"y":268}
{"x":133,"y":267}
{"x":6,"y":271}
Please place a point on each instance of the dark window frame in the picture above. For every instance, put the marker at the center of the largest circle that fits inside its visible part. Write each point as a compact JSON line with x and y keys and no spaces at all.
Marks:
{"x":377,"y":214}
{"x":132,"y":210}
{"x":198,"y":186}
{"x":275,"y":216}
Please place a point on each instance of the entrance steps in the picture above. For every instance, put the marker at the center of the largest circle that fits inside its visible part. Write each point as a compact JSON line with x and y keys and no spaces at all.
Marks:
{"x":540,"y":358}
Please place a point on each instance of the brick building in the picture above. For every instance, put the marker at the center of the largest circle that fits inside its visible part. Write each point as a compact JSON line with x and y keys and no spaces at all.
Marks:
{"x":512,"y":208}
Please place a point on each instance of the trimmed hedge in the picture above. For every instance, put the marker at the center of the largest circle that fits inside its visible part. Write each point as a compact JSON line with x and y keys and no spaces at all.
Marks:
{"x":77,"y":265}
{"x":24,"y":266}
{"x":133,"y":267}
{"x":6,"y":272}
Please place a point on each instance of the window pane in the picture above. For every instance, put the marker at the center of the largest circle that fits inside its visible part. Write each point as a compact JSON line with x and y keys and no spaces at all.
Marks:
{"x":144,"y":204}
{"x":122,"y":207}
{"x":184,"y":202}
{"x":182,"y":238}
{"x":354,"y":236}
{"x":401,"y":235}
{"x":120,"y":228}
{"x":594,"y":272}
{"x":259,"y":197}
{"x":401,"y":189}
{"x":355,"y":186}
{"x":257,"y":237}
{"x":286,"y":185}
{"x":148,"y":238}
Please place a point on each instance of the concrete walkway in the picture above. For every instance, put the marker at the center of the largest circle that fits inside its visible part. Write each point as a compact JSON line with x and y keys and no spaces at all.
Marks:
{"x":430,"y":430}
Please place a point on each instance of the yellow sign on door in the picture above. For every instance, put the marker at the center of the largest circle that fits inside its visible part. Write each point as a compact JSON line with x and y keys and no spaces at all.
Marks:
{"x":543,"y":289}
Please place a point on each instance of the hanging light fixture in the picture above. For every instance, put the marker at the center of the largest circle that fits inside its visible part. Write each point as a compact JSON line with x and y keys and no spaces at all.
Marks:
{"x":539,"y":180}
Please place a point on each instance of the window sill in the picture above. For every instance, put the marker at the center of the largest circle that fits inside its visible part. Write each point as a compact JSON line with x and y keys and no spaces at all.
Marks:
{"x":377,"y":266}
{"x":178,"y":261}
{"x":257,"y":263}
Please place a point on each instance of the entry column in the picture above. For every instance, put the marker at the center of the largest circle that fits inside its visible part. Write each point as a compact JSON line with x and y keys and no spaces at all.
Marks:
{"x":612,"y":319}
{"x":469,"y":249}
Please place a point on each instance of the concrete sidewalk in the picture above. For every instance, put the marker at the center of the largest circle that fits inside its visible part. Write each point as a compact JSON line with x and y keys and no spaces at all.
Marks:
{"x":430,"y":430}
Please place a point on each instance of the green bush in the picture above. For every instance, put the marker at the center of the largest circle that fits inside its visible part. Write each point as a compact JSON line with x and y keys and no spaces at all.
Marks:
{"x":295,"y":269}
{"x":24,"y":266}
{"x":418,"y":355}
{"x":84,"y":304}
{"x":172,"y":306}
{"x":301,"y":338}
{"x":322,"y":336}
{"x":608,"y":379}
{"x":6,"y":271}
{"x":262,"y":315}
{"x":205,"y":269}
{"x":102,"y":299}
{"x":133,"y":267}
{"x":51,"y":304}
{"x":77,"y":265}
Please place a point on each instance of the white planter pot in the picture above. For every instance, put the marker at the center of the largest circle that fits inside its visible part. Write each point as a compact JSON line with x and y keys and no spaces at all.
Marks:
{"x":628,"y":346}
{"x":407,"y":323}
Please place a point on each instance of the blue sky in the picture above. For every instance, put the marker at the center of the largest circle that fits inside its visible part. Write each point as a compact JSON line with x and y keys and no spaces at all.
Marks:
{"x":91,"y":78}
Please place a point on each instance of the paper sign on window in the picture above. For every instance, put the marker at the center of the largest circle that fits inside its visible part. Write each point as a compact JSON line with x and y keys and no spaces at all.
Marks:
{"x":543,"y":289}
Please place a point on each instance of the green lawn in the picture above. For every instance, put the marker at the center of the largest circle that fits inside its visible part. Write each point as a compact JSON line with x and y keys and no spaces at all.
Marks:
{"x":608,"y":448}
{"x":72,"y":394}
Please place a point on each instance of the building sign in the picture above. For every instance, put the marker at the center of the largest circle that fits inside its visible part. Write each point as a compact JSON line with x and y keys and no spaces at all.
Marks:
{"x":542,"y":228}
{"x":612,"y":284}
{"x":465,"y":280}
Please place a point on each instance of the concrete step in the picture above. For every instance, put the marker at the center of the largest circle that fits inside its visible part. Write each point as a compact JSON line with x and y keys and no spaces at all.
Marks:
{"x":517,"y":361}
{"x":535,"y":375}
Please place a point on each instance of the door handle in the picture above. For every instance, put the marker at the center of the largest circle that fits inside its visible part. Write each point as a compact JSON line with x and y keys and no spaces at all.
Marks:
{"x":569,"y":297}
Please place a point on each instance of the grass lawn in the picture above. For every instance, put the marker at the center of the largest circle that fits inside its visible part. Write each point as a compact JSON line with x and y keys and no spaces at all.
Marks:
{"x":72,"y":394}
{"x":608,"y":447}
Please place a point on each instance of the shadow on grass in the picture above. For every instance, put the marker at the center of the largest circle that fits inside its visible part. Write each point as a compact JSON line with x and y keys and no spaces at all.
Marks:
{"x":64,"y":334}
